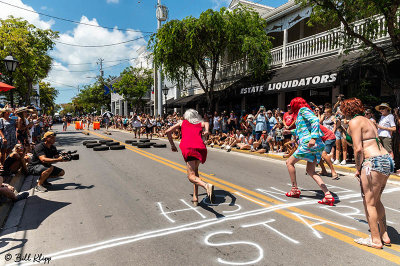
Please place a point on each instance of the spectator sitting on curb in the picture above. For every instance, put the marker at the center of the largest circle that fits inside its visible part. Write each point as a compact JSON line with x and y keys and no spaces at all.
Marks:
{"x":261,"y":146}
{"x":9,"y":191}
{"x":15,"y":161}
{"x":44,"y":154}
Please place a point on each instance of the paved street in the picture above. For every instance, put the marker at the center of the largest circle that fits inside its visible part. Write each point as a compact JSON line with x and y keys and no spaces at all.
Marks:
{"x":132,"y":207}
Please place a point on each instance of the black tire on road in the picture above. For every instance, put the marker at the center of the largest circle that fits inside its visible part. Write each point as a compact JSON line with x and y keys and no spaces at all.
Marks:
{"x":112,"y":143}
{"x":151,"y":143}
{"x":104,"y":141}
{"x":117,"y":147}
{"x":144,"y":145}
{"x":101,"y":148}
{"x":89,"y":141}
{"x":160,"y":145}
{"x":129,"y":141}
{"x":92,"y":145}
{"x":144,"y":140}
{"x":134,"y":143}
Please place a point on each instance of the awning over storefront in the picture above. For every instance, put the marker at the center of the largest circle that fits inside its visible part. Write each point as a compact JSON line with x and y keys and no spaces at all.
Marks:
{"x":320,"y":73}
{"x":183,"y":101}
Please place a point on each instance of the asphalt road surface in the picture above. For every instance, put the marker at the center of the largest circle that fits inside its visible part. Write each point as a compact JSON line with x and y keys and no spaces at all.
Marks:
{"x":133,"y":207}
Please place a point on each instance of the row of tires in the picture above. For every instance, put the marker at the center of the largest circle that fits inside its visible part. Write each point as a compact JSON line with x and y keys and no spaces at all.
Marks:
{"x":103,"y":145}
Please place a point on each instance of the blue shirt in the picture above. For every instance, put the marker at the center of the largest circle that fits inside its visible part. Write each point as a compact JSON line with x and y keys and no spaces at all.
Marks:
{"x":271,"y":123}
{"x":261,"y":123}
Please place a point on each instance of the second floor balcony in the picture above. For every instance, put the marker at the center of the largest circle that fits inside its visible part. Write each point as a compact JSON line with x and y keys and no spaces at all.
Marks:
{"x":320,"y":45}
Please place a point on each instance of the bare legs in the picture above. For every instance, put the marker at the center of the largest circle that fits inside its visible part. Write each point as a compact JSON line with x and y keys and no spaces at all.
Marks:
{"x":193,"y":176}
{"x":372,"y":187}
{"x":328,"y":161}
{"x":291,"y":161}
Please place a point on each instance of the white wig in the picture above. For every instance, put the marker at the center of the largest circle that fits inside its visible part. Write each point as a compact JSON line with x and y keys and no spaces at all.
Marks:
{"x":192,"y":116}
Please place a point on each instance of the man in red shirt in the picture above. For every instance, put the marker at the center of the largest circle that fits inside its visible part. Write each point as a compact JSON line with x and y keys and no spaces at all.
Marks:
{"x":289,"y":122}
{"x":329,"y":139}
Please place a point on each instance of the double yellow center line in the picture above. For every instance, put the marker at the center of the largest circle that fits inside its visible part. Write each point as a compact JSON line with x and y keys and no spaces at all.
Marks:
{"x":266,"y":201}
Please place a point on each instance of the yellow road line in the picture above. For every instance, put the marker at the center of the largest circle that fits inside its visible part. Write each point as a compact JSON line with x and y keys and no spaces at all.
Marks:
{"x":220,"y":182}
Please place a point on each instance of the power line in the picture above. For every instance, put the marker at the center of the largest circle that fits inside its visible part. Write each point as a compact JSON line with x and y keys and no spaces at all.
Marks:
{"x":72,"y":21}
{"x":106,"y":61}
{"x":102,"y":45}
{"x":51,"y":81}
{"x":88,"y":70}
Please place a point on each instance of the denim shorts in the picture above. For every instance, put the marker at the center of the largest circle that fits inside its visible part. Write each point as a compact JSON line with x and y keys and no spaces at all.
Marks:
{"x":383,"y":164}
{"x":329,"y":144}
{"x":338,"y":135}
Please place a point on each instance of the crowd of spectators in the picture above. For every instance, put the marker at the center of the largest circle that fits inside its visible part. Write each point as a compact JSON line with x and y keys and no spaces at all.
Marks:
{"x":269,"y":131}
{"x":20,"y":130}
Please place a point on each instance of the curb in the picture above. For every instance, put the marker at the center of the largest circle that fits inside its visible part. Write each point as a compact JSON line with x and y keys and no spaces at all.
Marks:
{"x":6,"y":207}
{"x":279,"y":157}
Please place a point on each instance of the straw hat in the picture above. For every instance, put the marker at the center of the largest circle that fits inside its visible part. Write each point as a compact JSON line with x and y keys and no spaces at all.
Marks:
{"x":48,"y":134}
{"x":20,"y":110}
{"x":5,"y":109}
{"x":383,"y":105}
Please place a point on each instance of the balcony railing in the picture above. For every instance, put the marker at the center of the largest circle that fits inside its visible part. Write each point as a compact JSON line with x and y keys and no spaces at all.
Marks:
{"x":315,"y":46}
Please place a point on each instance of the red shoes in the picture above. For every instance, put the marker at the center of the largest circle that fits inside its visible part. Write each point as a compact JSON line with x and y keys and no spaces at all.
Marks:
{"x":293,"y":193}
{"x":330,"y":200}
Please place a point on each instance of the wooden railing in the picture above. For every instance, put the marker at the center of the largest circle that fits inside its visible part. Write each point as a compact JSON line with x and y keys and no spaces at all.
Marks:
{"x":315,"y":46}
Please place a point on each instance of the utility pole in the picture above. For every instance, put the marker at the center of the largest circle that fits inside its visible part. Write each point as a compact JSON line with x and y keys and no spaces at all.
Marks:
{"x":100,"y":62}
{"x":162,"y":15}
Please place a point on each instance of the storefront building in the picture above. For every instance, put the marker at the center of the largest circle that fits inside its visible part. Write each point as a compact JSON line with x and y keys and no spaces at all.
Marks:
{"x":306,"y":61}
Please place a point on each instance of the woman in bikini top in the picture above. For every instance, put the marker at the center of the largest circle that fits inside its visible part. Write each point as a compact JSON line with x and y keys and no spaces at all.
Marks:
{"x":373,"y":167}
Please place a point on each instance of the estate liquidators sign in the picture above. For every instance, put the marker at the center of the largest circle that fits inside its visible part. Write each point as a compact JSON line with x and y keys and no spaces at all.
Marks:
{"x":320,"y":79}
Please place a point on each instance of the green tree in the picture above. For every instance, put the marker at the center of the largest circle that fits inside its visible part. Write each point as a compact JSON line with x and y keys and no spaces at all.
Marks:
{"x":48,"y":97}
{"x":92,"y":97}
{"x":196,"y":45}
{"x":30,"y":46}
{"x":349,"y":11}
{"x":67,"y":108}
{"x":134,"y":84}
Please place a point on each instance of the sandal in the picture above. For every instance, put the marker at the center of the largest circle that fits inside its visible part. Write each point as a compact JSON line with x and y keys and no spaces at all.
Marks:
{"x":367,"y":242}
{"x":195,"y":203}
{"x":320,"y":173}
{"x":335,"y":177}
{"x":330,"y":200}
{"x":210,"y":192}
{"x":387,"y":244}
{"x":293,"y":193}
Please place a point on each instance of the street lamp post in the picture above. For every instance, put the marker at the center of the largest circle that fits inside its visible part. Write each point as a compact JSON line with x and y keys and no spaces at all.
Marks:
{"x":162,"y":15}
{"x":11,"y":65}
{"x":165,"y":92}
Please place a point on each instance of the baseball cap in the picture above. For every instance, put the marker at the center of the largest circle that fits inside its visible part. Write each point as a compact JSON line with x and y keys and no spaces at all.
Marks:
{"x":48,"y":134}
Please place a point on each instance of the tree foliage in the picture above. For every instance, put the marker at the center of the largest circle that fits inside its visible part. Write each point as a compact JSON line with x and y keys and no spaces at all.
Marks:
{"x":196,"y":45}
{"x":92,"y":98}
{"x":30,"y":46}
{"x":134,"y":84}
{"x":349,"y":11}
{"x":67,"y":108}
{"x":48,"y":97}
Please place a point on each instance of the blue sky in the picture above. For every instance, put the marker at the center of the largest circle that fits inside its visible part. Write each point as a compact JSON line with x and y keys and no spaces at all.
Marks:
{"x":76,"y":66}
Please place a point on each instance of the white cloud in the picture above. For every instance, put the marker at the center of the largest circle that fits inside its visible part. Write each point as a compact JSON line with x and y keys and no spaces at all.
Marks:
{"x":65,"y":56}
{"x":62,"y":71}
{"x":33,"y":18}
{"x":112,"y":1}
{"x":217,"y":4}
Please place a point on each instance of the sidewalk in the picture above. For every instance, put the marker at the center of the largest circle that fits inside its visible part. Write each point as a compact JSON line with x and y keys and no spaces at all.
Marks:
{"x":6,"y":206}
{"x":349,"y":168}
